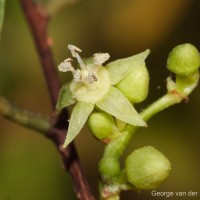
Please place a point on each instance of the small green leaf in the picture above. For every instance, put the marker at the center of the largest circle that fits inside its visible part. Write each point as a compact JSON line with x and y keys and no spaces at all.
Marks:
{"x":65,"y":97}
{"x":116,"y":104}
{"x":78,"y":118}
{"x":2,"y":9}
{"x":120,"y":68}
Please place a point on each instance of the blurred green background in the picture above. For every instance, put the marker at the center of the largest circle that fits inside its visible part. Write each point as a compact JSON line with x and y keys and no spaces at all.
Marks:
{"x":30,"y":167}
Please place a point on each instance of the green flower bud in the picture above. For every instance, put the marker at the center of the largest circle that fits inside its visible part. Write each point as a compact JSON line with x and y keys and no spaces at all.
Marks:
{"x":135,"y":85}
{"x":147,"y":168}
{"x":101,"y":125}
{"x":184,"y":59}
{"x":109,"y":168}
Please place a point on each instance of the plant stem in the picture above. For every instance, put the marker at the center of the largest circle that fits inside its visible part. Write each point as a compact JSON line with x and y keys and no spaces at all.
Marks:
{"x":38,"y":21}
{"x":117,"y":146}
{"x":24,"y":117}
{"x":161,"y":104}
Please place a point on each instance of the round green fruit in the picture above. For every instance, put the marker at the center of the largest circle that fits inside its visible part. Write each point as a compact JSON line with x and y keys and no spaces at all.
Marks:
{"x":136,"y":84}
{"x":101,"y":125}
{"x":146,"y":168}
{"x":184,"y":59}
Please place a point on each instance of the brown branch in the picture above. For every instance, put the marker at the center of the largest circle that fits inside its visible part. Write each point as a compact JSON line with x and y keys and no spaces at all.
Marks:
{"x":70,"y":162}
{"x":38,"y":20}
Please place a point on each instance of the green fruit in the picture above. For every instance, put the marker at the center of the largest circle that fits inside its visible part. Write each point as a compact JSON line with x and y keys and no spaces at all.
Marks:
{"x":147,"y":168}
{"x":101,"y":125}
{"x":136,"y":84}
{"x":184,"y":59}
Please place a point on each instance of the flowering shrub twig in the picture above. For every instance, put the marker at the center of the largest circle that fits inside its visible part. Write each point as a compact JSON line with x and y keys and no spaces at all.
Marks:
{"x":104,"y":97}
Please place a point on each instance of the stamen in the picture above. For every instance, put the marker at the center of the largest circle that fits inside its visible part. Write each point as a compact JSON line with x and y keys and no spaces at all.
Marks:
{"x":74,"y":50}
{"x":91,"y":77}
{"x":77,"y":75}
{"x":100,"y":58}
{"x":65,"y":65}
{"x":84,"y":74}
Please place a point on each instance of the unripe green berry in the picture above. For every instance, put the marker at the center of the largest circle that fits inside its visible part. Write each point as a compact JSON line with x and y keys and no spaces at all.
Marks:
{"x":135,"y":85}
{"x":147,"y":168}
{"x":184,"y":59}
{"x":109,"y":168}
{"x":101,"y":125}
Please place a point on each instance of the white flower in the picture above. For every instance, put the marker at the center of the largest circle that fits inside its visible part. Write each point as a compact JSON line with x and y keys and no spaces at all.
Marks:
{"x":93,"y":85}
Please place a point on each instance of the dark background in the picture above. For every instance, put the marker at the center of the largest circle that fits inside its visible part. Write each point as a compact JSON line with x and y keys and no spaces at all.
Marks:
{"x":30,"y":167}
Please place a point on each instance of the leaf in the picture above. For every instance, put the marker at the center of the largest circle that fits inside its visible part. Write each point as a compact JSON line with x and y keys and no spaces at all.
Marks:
{"x":116,"y":104}
{"x":65,"y":97}
{"x":2,"y":9}
{"x":118,"y":69}
{"x":78,"y":118}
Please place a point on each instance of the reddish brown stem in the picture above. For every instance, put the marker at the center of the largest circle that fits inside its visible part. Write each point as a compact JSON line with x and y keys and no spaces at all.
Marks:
{"x":70,"y":162}
{"x":38,"y":20}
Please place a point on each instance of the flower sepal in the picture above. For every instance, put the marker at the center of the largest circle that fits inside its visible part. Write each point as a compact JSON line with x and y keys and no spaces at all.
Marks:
{"x":94,"y":85}
{"x":65,"y":97}
{"x":119,"y":69}
{"x":79,"y":116}
{"x":116,"y":104}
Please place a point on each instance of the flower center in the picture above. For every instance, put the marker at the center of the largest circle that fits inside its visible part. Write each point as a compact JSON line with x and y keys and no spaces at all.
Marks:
{"x":87,"y":92}
{"x":91,"y":81}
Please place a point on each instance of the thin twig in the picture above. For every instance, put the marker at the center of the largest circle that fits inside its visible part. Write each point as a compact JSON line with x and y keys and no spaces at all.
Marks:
{"x":38,"y":20}
{"x":43,"y":125}
{"x":23,"y":117}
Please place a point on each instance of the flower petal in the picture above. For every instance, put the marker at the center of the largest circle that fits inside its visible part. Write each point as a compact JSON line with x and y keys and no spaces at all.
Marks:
{"x":116,"y":104}
{"x":65,"y":97}
{"x":78,"y":118}
{"x":120,"y":68}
